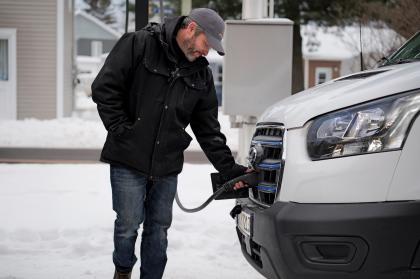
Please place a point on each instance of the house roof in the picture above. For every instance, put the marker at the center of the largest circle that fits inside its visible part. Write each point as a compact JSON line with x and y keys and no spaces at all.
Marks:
{"x":89,"y":33}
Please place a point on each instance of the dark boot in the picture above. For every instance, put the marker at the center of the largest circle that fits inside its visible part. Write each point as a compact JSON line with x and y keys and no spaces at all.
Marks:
{"x":121,"y":275}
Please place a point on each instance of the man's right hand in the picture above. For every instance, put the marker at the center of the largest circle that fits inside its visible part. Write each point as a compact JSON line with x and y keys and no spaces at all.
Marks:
{"x":241,"y":184}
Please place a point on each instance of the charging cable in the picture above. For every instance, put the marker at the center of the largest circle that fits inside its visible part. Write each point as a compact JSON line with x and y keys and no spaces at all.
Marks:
{"x":249,"y":179}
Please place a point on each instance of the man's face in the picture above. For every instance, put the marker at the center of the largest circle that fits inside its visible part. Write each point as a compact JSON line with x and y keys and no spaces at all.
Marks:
{"x":192,"y":45}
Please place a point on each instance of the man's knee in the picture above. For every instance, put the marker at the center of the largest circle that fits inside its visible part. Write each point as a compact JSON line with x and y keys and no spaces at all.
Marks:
{"x":128,"y":224}
{"x":157,"y":227}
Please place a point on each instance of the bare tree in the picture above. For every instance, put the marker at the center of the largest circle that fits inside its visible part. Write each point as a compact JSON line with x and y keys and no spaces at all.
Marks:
{"x":377,"y":40}
{"x":400,"y":15}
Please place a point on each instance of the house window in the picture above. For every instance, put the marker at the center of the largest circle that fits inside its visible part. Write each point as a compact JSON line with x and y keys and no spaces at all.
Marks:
{"x":4,"y":60}
{"x":96,"y":48}
{"x":322,"y":74}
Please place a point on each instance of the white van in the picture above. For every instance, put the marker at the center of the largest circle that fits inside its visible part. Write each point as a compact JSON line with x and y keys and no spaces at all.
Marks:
{"x":339,"y":178}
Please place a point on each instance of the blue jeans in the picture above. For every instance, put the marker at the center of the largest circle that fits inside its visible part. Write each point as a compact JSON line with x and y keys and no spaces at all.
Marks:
{"x":135,"y":199}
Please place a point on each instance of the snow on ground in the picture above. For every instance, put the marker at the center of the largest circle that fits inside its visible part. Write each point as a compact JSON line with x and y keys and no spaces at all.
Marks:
{"x":57,"y":222}
{"x":83,"y":130}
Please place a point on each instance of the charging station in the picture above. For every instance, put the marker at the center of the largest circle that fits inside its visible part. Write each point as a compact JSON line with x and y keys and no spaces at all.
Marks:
{"x":257,"y":71}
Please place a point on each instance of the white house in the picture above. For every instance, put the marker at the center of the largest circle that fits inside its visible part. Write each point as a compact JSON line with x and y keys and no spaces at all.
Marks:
{"x":93,"y":37}
{"x":36,"y":58}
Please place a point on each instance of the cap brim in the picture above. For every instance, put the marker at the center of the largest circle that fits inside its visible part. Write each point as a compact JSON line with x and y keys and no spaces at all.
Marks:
{"x":215,"y":44}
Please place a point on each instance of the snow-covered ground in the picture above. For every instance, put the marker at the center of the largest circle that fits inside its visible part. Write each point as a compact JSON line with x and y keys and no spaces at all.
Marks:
{"x":57,"y":222}
{"x":83,"y":130}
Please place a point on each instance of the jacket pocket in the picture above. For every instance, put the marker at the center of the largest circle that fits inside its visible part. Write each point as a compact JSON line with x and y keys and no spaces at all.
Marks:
{"x":194,"y":89}
{"x":178,"y":142}
{"x":187,"y":139}
{"x":123,"y":130}
{"x":155,"y":67}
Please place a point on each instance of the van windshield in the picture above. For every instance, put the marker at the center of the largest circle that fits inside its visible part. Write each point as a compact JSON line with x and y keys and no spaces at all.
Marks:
{"x":409,"y":52}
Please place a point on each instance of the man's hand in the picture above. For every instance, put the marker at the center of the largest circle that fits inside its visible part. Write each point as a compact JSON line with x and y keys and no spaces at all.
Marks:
{"x":241,"y":184}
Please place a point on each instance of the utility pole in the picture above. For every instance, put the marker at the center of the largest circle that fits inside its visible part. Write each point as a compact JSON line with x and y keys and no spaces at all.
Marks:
{"x":186,"y":7}
{"x":161,"y":14}
{"x":142,"y":13}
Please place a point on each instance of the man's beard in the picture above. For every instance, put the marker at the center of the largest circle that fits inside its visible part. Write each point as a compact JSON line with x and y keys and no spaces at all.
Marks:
{"x":188,"y":48}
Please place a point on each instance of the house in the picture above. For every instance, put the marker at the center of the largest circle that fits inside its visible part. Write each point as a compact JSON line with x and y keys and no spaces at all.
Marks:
{"x":93,"y":37}
{"x":36,"y":59}
{"x":331,"y":52}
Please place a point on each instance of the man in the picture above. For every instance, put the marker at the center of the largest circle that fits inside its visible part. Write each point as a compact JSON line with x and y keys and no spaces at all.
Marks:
{"x":154,"y":83}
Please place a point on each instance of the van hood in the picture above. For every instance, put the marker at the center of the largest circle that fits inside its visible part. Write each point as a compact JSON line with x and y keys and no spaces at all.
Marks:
{"x":342,"y":92}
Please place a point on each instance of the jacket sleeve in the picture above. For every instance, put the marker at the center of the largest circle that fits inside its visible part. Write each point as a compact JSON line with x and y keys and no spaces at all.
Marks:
{"x":206,"y":129}
{"x":112,"y":84}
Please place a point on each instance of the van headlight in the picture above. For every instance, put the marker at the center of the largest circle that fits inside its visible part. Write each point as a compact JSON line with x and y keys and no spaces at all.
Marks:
{"x":375,"y":126}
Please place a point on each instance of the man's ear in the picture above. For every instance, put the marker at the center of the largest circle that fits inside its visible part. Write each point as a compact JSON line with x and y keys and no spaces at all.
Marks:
{"x":191,"y":27}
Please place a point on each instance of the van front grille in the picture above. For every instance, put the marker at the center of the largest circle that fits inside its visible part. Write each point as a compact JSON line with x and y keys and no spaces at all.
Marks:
{"x":266,"y":157}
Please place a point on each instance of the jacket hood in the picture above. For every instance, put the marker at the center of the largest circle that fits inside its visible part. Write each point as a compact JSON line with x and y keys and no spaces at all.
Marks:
{"x":169,"y":27}
{"x":353,"y":89}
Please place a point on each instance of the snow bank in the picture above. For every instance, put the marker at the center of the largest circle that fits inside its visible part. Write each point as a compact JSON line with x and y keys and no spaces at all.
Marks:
{"x":56,"y":133}
{"x":76,"y":132}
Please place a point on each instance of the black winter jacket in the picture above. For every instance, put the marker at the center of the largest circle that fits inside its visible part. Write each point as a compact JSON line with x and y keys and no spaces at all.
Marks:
{"x":146,"y":100}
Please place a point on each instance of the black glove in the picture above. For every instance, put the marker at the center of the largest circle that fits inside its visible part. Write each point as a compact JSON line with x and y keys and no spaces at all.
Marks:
{"x":234,"y":172}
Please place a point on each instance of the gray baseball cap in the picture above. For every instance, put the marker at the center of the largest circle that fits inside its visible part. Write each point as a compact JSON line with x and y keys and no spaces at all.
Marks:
{"x":213,"y":26}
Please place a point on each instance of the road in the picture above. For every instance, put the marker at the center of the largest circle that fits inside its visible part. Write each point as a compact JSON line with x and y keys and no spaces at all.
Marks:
{"x":70,"y":155}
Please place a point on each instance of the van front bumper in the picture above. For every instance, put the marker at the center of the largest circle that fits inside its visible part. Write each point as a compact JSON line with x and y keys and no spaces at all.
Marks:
{"x":331,"y":241}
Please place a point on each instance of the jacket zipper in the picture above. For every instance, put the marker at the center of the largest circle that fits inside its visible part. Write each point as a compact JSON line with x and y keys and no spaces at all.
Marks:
{"x":171,"y":80}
